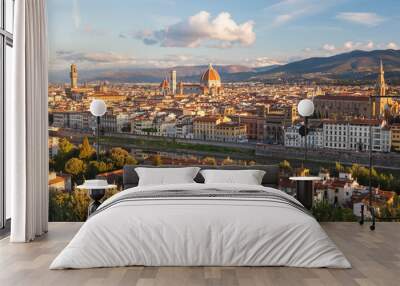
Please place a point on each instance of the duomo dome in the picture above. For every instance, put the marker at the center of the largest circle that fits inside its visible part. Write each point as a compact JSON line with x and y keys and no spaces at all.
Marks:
{"x":210,"y":78}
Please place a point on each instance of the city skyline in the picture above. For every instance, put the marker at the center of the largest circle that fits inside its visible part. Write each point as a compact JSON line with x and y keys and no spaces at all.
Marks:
{"x":171,"y":33}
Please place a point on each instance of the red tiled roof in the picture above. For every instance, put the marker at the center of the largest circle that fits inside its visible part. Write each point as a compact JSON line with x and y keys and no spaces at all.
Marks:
{"x":206,"y":119}
{"x":342,"y":97}
{"x":56,"y":180}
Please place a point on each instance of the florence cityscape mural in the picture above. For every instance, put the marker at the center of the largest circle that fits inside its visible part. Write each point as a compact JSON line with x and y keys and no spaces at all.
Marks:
{"x":218,"y":83}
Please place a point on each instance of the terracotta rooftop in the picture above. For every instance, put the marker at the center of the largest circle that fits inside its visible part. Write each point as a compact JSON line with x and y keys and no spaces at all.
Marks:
{"x":342,"y":97}
{"x":207,"y":119}
{"x":56,"y":180}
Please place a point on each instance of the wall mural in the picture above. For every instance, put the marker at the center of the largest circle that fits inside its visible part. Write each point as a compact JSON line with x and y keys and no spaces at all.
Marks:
{"x":212,"y":87}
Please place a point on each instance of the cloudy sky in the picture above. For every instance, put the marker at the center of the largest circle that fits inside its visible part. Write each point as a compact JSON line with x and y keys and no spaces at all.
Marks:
{"x":163,"y":33}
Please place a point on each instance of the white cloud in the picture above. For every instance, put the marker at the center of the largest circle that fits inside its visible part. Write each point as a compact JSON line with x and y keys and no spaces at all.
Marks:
{"x":392,"y":46}
{"x":222,"y":32}
{"x":350,"y":45}
{"x":76,"y":17}
{"x":96,"y":60}
{"x":362,"y":18}
{"x":283,"y":18}
{"x":262,"y":62}
{"x":285,"y":11}
{"x":91,"y":59}
{"x":328,"y":47}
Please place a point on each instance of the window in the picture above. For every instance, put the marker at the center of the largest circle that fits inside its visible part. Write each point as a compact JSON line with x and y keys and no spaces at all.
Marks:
{"x":6,"y":43}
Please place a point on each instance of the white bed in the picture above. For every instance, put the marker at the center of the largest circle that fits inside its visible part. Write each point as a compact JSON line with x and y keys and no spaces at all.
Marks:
{"x":200,"y":231}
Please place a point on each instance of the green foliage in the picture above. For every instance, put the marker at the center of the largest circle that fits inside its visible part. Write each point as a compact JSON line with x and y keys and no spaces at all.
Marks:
{"x":337,"y":169}
{"x":285,"y":166}
{"x":86,"y":151}
{"x":66,"y":150}
{"x":64,"y":146}
{"x":391,"y":210}
{"x":120,"y":157}
{"x":303,"y":172}
{"x":76,"y":168}
{"x":323,"y":211}
{"x":94,"y":168}
{"x":64,"y":206}
{"x":382,"y":180}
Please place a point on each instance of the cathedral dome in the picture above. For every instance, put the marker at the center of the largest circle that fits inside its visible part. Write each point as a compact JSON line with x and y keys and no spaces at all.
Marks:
{"x":164,"y":84}
{"x":210,"y":77}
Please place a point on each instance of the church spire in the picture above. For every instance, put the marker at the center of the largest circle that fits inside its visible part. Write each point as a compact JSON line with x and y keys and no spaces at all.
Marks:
{"x":381,"y":80}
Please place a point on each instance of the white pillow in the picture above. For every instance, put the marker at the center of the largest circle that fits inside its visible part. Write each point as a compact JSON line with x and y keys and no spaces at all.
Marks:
{"x":166,"y":176}
{"x":248,"y":177}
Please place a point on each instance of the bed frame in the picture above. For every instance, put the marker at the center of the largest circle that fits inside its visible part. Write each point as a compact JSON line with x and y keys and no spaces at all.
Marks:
{"x":270,"y":179}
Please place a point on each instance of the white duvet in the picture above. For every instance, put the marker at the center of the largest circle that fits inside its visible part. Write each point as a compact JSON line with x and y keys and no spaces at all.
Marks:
{"x":202,"y":232}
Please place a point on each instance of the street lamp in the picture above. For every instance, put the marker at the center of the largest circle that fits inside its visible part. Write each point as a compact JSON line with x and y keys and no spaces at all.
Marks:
{"x":98,"y":108}
{"x":305,"y":109}
{"x":305,"y":183}
{"x":370,"y":150}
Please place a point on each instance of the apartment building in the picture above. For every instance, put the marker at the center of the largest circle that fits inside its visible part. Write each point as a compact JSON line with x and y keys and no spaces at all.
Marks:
{"x":142,"y":126}
{"x":254,"y":125}
{"x":205,"y":127}
{"x":231,"y":132}
{"x":292,"y":137}
{"x":395,"y":131}
{"x":329,"y":106}
{"x":184,"y":131}
{"x":354,"y":135}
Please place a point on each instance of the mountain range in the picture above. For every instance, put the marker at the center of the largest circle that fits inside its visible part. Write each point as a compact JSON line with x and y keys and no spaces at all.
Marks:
{"x":359,"y":66}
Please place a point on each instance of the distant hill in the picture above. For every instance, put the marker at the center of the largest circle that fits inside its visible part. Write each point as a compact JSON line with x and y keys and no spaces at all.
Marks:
{"x":185,"y":73}
{"x":357,"y":65}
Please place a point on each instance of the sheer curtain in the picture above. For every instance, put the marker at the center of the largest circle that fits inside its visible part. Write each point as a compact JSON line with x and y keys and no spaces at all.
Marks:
{"x":27,"y":124}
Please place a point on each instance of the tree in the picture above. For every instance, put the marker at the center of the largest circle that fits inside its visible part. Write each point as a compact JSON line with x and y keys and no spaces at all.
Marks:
{"x":323,"y":211}
{"x":94,"y":168}
{"x":86,"y":151}
{"x":338,"y":169}
{"x":64,"y":146}
{"x":76,"y":168}
{"x":227,"y":161}
{"x":120,"y":157}
{"x":157,"y":160}
{"x":285,"y":166}
{"x":303,"y":172}
{"x":80,"y":202}
{"x":210,"y":161}
{"x":72,"y":206}
{"x":66,"y":150}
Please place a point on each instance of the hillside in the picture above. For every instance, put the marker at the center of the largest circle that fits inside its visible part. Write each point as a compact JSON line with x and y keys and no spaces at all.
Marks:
{"x":347,"y":67}
{"x":356,"y":65}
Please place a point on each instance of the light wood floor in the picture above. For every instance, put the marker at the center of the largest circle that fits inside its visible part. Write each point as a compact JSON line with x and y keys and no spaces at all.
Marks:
{"x":375,"y":257}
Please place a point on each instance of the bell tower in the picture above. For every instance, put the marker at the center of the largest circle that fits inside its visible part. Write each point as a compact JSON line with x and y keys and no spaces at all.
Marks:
{"x":382,"y":105}
{"x":74,"y":76}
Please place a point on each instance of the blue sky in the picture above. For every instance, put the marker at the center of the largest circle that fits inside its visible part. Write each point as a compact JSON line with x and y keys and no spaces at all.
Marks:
{"x":157,"y":33}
